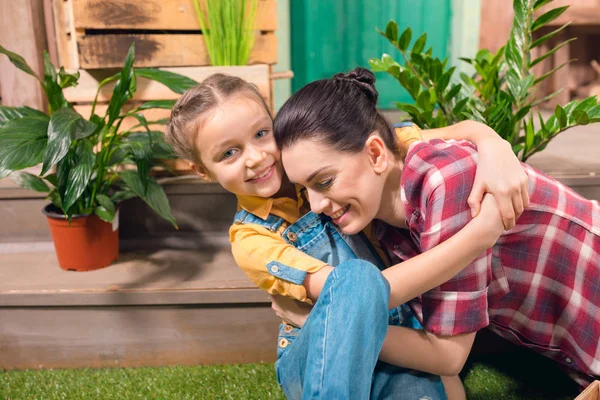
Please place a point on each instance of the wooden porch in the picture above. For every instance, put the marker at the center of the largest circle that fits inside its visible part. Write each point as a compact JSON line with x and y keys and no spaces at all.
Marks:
{"x":174,"y":297}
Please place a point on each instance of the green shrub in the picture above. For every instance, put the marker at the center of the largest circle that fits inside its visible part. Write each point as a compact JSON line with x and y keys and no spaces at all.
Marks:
{"x":501,"y":93}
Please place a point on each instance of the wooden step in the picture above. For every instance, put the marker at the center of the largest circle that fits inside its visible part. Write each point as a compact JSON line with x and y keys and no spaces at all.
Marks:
{"x":200,"y":208}
{"x":161,"y":307}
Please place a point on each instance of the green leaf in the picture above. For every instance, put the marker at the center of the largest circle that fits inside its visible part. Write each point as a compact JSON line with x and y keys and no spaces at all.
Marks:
{"x":543,"y":129}
{"x":521,"y":113}
{"x":22,"y":143}
{"x":548,"y":36}
{"x":79,"y":174}
{"x":104,"y":214}
{"x":581,"y":117}
{"x":165,"y":104}
{"x":143,"y":159}
{"x":529,"y":135}
{"x":551,"y":95}
{"x":540,"y":3}
{"x":420,"y":43}
{"x":405,"y":39}
{"x":391,"y":31}
{"x":56,"y":98}
{"x":176,"y":82}
{"x":9,"y":113}
{"x":155,"y":140}
{"x":547,"y":17}
{"x":586,"y":104}
{"x":29,"y":181}
{"x":122,"y":195}
{"x":154,"y":196}
{"x":67,"y":80}
{"x":453,"y":92}
{"x":548,"y":54}
{"x":423,"y":100}
{"x":459,"y":106}
{"x":444,"y":80}
{"x":52,"y":179}
{"x":561,"y":116}
{"x":54,"y":197}
{"x":547,"y":74}
{"x":124,"y":89}
{"x":65,"y":126}
{"x":106,"y":208}
{"x":18,"y":62}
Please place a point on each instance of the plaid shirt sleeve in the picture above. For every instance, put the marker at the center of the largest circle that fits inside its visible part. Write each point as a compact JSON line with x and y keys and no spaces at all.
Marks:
{"x":437,"y":180}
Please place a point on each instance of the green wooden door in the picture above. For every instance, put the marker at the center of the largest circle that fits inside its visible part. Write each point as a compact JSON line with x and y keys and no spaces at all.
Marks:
{"x":330,"y":36}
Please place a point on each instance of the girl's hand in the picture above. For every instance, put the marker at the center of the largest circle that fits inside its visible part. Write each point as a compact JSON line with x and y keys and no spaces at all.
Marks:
{"x":500,"y":173}
{"x":292,"y":311}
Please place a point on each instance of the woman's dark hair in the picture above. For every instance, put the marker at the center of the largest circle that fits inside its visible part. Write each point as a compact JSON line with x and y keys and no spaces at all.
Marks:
{"x":341,"y":112}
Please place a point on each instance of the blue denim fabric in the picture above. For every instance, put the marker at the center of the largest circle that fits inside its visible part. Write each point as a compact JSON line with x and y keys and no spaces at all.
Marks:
{"x":334,"y":356}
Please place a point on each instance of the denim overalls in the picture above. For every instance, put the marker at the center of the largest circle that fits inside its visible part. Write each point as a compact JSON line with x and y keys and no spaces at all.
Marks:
{"x":321,"y":359}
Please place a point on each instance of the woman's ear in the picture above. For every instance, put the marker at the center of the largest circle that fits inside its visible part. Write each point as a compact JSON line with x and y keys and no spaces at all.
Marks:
{"x":202,"y":172}
{"x":377,"y":153}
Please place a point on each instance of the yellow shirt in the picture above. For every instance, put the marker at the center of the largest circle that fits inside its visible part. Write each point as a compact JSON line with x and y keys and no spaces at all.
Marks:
{"x":254,"y":246}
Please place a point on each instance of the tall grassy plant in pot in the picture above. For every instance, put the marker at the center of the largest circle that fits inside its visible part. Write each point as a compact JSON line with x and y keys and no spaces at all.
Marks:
{"x":501,"y":93}
{"x":228,"y":29}
{"x":88,"y":165}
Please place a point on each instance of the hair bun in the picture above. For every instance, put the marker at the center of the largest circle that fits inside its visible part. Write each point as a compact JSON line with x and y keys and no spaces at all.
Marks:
{"x":363,"y":78}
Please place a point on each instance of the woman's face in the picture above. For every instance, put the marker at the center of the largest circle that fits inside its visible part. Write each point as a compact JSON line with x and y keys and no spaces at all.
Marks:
{"x":345,"y":186}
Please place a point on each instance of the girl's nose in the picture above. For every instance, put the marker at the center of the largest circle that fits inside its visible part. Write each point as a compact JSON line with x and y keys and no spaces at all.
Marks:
{"x":255,"y":156}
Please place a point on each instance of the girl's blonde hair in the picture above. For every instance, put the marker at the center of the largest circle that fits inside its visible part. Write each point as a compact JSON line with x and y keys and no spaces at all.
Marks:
{"x":196,"y":103}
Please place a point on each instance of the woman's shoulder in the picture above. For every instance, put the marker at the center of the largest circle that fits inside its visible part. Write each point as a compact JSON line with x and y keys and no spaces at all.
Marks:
{"x":429,"y":165}
{"x":438,"y":153}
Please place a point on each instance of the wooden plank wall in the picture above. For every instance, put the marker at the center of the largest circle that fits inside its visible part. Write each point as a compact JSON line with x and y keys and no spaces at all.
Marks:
{"x":94,"y":34}
{"x":22,"y":30}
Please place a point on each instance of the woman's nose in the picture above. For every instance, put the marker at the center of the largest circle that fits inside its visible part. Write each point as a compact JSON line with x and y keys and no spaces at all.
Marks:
{"x":318,"y":202}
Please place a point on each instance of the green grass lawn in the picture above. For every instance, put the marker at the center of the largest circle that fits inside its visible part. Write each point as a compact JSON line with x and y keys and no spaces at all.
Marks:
{"x":506,"y":376}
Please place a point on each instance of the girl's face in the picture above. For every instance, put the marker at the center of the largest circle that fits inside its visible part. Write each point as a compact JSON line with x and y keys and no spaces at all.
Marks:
{"x":345,"y":186}
{"x":237,"y":148}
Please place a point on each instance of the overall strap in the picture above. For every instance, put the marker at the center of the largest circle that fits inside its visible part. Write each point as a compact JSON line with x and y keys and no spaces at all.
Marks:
{"x":272,"y":222}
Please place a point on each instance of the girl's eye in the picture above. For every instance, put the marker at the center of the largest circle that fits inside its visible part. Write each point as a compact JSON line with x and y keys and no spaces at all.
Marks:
{"x":227,"y":154}
{"x":260,"y":134}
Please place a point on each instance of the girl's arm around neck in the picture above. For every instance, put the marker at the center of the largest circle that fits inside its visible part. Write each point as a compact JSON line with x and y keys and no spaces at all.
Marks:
{"x":426,"y":271}
{"x":499,"y":171}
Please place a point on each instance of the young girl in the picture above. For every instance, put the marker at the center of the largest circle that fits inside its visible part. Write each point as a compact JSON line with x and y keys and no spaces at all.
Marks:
{"x":538,"y":285}
{"x":224,"y":129}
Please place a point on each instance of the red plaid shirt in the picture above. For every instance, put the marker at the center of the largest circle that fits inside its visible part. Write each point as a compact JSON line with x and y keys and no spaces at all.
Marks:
{"x":539,"y":286}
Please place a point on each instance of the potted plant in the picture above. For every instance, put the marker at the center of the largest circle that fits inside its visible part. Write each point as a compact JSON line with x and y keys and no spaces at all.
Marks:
{"x":88,"y":165}
{"x":501,"y":93}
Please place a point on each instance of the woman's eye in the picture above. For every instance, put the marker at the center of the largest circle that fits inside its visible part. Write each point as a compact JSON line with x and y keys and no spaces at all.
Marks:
{"x":324,"y":184}
{"x":227,"y":154}
{"x":260,"y":134}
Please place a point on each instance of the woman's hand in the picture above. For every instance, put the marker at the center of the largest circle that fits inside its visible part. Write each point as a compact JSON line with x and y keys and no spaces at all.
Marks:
{"x":292,"y":311}
{"x":500,"y":173}
{"x":489,"y":221}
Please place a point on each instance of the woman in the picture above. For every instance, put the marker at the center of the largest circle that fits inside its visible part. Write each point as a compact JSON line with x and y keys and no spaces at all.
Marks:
{"x":537,"y":287}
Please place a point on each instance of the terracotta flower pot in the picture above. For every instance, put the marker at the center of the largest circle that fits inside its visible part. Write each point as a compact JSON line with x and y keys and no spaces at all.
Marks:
{"x":86,"y":243}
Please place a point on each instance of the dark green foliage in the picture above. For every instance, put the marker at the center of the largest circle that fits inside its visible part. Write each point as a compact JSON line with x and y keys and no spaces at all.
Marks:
{"x":97,"y":164}
{"x":500,"y":94}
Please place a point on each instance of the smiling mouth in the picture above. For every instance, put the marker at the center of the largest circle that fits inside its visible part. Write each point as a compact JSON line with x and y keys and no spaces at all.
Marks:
{"x":262,"y":174}
{"x":339,"y":213}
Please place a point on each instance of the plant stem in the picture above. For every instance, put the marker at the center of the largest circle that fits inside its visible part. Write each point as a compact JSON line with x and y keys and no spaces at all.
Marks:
{"x":449,"y":116}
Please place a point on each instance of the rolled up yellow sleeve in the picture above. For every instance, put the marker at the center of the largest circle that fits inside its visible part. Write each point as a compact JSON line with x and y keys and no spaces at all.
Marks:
{"x":406,"y":135}
{"x":272,"y":264}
